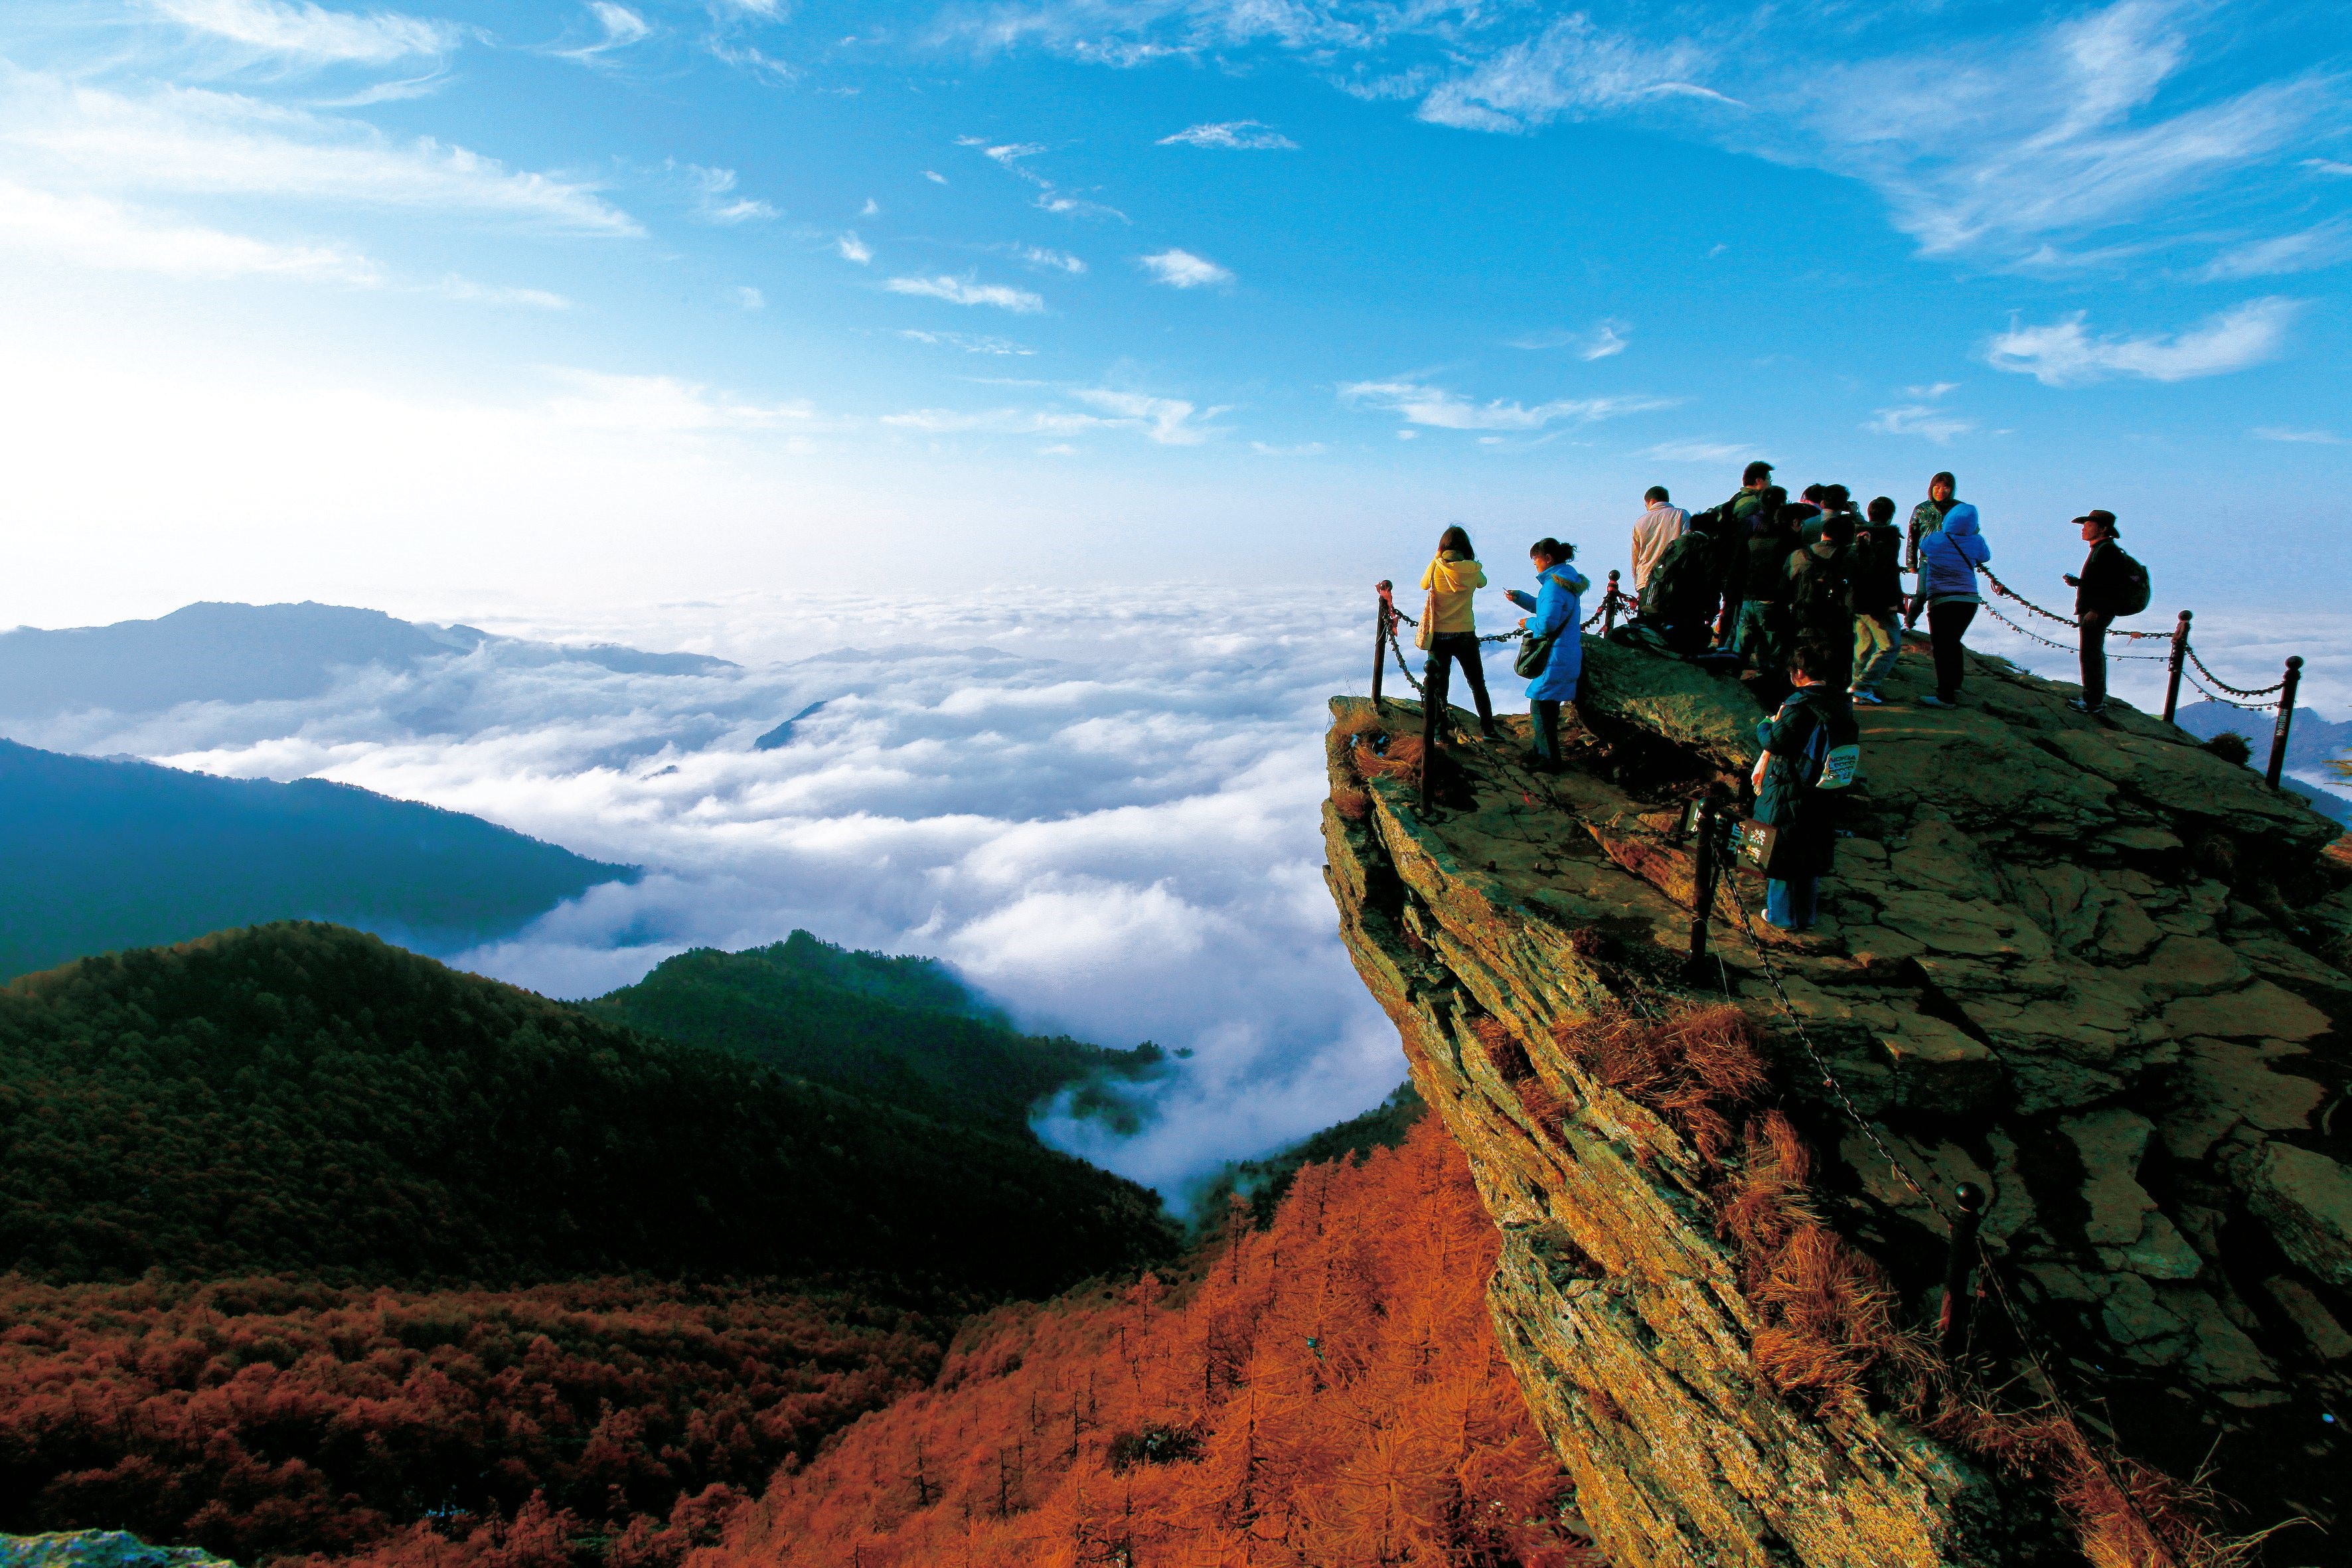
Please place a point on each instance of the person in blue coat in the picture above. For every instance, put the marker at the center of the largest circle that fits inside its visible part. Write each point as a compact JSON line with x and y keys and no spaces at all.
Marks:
{"x":1810,"y":752}
{"x":1558,"y":611}
{"x":1948,"y":559}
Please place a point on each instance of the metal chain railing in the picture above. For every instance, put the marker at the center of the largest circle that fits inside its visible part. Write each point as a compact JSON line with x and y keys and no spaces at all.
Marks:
{"x":2062,"y":648}
{"x":2006,"y":592}
{"x":2275,"y":686}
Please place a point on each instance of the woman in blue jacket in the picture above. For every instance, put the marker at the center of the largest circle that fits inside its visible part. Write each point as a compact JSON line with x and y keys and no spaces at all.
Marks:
{"x":1948,"y":559}
{"x":1558,"y":611}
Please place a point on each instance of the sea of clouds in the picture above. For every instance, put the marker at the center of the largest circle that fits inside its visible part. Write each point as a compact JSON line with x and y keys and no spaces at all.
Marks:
{"x":1100,"y":809}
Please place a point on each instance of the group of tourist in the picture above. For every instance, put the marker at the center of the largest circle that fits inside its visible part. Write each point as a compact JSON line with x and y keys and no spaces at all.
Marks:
{"x":1803,"y":598}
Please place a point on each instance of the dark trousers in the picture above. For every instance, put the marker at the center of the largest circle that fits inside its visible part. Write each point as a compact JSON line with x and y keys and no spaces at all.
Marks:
{"x":1547,"y":728}
{"x":1444,"y":649}
{"x":2095,"y":659}
{"x":1947,"y":624}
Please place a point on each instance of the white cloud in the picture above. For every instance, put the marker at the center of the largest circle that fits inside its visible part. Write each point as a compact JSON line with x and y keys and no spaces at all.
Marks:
{"x":716,"y":199}
{"x":1236,"y":135}
{"x":1107,"y":825}
{"x":1054,"y":260}
{"x":1304,"y":449}
{"x":935,"y":176}
{"x":995,"y":421}
{"x":2327,"y":166}
{"x":1182,"y":269}
{"x":622,"y":27}
{"x":2323,"y":245}
{"x":664,"y":404}
{"x":1606,"y":339}
{"x":307,"y":31}
{"x":92,"y":231}
{"x":1445,"y":410}
{"x":965,"y":292}
{"x":1923,"y":416}
{"x":189,"y":141}
{"x":871,"y":209}
{"x":2063,"y":355}
{"x":1166,"y":420}
{"x":1068,"y":206}
{"x":2302,"y":437}
{"x":852,"y":248}
{"x":1695,"y":451}
{"x":1571,"y":69}
{"x":750,"y":298}
{"x":970,"y":342}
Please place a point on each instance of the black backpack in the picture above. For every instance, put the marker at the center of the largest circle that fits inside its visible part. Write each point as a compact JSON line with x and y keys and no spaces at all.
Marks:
{"x":2131,"y":584}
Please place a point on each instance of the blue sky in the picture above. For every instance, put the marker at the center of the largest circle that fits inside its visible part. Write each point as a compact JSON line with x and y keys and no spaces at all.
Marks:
{"x":462,"y":303}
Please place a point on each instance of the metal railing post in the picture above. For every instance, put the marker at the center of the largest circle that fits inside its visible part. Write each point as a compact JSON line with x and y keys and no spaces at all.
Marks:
{"x":1952,"y":1327}
{"x":1609,"y":606}
{"x":2172,"y":675}
{"x":2285,"y":720}
{"x":1380,"y":613}
{"x":1703,"y":881}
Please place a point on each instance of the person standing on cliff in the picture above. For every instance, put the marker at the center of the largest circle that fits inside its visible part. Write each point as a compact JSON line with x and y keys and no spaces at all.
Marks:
{"x":1821,"y":586}
{"x":1811,"y":749}
{"x":2111,"y":584}
{"x":1948,"y":559}
{"x":1659,"y":526}
{"x":1451,"y":626}
{"x":1877,"y":600}
{"x":1558,"y":614}
{"x":1925,"y":519}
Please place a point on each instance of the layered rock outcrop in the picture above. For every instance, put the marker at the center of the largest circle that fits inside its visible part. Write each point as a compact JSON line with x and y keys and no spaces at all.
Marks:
{"x":2093,"y":967}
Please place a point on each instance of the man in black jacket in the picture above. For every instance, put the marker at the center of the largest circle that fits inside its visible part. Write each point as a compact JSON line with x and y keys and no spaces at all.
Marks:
{"x":2099,"y":593}
{"x":1877,"y":577}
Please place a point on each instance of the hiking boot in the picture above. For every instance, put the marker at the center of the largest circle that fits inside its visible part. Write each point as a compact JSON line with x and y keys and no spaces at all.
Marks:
{"x":2095,"y":710}
{"x":1864,"y":694}
{"x":1537,"y":763}
{"x":1486,"y":727}
{"x":1932,"y":700}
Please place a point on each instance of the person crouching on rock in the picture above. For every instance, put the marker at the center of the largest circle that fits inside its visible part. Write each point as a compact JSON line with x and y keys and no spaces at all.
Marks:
{"x":1811,"y":749}
{"x":1451,"y":629}
{"x":1557,"y":607}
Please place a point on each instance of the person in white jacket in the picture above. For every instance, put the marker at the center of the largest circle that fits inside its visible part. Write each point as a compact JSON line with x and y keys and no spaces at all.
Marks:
{"x":1660,"y":526}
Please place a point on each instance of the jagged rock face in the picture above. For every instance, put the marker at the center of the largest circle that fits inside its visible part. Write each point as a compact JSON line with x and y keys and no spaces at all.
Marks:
{"x":99,"y":1549}
{"x":2092,"y":968}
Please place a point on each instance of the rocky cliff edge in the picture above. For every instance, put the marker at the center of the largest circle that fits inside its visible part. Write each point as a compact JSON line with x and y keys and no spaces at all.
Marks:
{"x":2092,"y":968}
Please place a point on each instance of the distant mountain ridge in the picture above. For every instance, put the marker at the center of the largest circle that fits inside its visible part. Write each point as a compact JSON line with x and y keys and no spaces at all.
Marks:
{"x":98,"y":854}
{"x":897,"y":1029}
{"x":213,"y":652}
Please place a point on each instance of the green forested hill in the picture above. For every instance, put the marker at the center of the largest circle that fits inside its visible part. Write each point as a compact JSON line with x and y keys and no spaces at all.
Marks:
{"x":304,"y":1098}
{"x":902,"y":1030}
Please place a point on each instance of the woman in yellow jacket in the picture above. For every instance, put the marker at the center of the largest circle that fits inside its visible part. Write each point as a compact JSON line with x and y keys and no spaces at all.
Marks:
{"x":1451,"y":629}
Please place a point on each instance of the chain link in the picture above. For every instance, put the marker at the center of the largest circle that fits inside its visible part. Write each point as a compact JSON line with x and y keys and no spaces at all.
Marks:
{"x":2006,"y":592}
{"x":2062,"y":648}
{"x":2233,"y":691}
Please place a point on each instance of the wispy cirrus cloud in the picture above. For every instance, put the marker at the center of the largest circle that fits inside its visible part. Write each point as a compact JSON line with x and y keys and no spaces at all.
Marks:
{"x":622,"y":27}
{"x":2299,"y":437}
{"x":1696,"y":451}
{"x":1571,"y":69}
{"x":92,"y":231}
{"x":308,"y":32}
{"x":1443,"y":409}
{"x":1605,"y":340}
{"x":665,"y":405}
{"x":196,"y":141}
{"x":2305,"y":250}
{"x":1923,"y":416}
{"x":715,"y":195}
{"x":2066,"y":354}
{"x":1164,"y":421}
{"x":1048,"y":259}
{"x":851,"y":249}
{"x":1182,"y":269}
{"x":970,"y":343}
{"x":1168,"y":421}
{"x":966,"y":291}
{"x":1233,"y":135}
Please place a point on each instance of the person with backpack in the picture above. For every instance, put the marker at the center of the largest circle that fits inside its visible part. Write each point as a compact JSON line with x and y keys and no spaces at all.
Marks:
{"x":1821,"y":587}
{"x":1925,"y":519}
{"x":1811,"y":749}
{"x":1449,"y":628}
{"x":1949,"y":558}
{"x":2111,"y":584}
{"x":1557,"y":618}
{"x":1877,"y":577}
{"x":1678,"y":602}
{"x":1762,"y":633}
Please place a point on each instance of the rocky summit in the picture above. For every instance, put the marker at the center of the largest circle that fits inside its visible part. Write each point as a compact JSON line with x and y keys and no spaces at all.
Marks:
{"x":2089,"y":967}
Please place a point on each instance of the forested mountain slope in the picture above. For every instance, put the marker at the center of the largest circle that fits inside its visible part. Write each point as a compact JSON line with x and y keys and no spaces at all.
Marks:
{"x":902,"y":1030}
{"x":101,"y":854}
{"x":305,"y":1099}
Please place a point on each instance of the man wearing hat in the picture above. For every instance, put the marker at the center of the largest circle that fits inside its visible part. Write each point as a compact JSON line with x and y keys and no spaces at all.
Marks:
{"x":2100,"y":593}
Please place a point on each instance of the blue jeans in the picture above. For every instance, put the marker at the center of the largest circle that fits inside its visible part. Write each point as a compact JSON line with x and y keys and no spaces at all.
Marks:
{"x":1791,"y":903}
